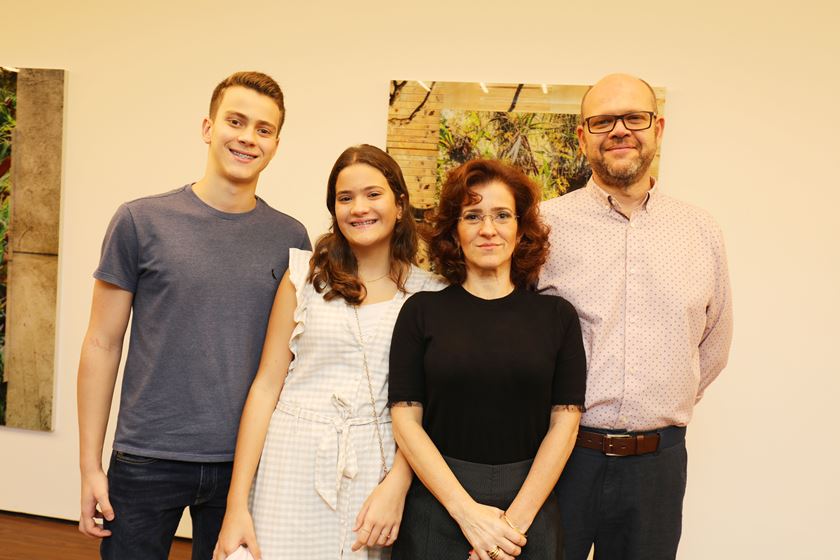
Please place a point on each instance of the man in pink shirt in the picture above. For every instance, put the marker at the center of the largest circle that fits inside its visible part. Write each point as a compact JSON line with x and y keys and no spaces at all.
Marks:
{"x":648,"y":277}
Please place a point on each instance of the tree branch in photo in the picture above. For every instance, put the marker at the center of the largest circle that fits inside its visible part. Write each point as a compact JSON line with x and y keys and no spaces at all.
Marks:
{"x":515,"y":97}
{"x":409,"y":118}
{"x":396,"y":88}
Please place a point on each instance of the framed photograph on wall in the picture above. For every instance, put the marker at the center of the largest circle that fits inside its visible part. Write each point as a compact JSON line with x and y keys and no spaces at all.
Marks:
{"x":435,"y":126}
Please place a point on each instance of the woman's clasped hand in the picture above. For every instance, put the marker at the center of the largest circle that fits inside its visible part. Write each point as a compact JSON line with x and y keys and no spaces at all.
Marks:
{"x":490,"y":536}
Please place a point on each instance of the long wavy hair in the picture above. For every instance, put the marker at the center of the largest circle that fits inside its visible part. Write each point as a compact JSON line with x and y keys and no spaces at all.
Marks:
{"x":333,"y":269}
{"x":532,"y":246}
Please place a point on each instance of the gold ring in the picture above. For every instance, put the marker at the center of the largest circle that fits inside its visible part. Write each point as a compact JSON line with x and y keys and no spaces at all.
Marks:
{"x":365,"y":529}
{"x":493,"y":554}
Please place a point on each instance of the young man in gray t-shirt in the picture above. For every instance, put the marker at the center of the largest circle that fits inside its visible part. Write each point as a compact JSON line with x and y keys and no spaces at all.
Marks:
{"x":197,"y":268}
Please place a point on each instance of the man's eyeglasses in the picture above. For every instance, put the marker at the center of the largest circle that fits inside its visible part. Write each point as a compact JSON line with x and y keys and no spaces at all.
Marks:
{"x":499,"y":218}
{"x":638,"y":120}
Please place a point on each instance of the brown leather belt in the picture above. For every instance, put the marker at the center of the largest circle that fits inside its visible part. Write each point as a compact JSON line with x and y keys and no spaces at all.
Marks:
{"x":619,"y":445}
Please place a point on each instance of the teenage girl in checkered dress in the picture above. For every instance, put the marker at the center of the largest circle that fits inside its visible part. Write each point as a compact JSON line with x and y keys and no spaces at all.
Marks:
{"x":315,"y":456}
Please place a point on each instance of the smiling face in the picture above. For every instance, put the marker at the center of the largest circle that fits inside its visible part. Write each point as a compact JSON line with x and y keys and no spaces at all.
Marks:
{"x":242,"y":135}
{"x":488,"y":246}
{"x":620,"y":158}
{"x":366,"y":209}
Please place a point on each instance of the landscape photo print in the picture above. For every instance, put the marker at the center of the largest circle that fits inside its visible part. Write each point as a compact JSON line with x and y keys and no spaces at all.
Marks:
{"x":436,"y":126}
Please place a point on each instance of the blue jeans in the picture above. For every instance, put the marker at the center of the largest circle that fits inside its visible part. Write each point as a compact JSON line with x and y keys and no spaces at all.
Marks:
{"x":149,"y":496}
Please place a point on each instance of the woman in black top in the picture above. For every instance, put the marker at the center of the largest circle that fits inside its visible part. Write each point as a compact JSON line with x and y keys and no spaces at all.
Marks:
{"x":487,"y":379}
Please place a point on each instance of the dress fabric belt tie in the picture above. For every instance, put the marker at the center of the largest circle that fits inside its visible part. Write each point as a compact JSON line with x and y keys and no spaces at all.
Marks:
{"x":336,"y":456}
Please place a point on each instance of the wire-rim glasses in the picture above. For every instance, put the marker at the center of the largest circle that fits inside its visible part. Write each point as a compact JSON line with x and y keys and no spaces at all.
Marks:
{"x":500,"y":218}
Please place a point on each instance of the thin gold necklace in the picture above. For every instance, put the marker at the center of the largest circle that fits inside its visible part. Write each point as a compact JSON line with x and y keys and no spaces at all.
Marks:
{"x":375,"y":279}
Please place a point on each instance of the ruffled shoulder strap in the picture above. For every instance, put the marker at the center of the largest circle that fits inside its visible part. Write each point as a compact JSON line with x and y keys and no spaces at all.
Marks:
{"x":299,"y":268}
{"x":298,"y":271}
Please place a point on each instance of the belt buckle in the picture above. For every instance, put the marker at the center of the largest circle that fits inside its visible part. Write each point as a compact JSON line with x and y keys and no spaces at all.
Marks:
{"x":608,"y":437}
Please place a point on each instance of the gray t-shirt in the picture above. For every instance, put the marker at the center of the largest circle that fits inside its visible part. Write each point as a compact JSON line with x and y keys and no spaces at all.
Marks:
{"x":203,"y":284}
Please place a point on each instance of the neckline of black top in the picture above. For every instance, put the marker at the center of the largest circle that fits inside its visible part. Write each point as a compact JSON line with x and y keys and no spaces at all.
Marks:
{"x":493,"y":301}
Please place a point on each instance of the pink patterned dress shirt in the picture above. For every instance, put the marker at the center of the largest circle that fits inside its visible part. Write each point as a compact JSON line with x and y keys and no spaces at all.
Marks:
{"x":654,"y":301}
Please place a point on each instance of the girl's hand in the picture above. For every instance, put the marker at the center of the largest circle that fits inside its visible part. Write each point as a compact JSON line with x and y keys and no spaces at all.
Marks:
{"x":237,"y":529}
{"x":378,"y":522}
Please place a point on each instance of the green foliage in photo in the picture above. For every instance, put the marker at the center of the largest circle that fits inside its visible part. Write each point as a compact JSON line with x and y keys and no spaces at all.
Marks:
{"x":543,"y":145}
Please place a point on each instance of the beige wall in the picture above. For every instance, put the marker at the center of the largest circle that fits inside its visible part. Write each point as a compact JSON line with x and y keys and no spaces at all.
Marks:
{"x":751,"y":136}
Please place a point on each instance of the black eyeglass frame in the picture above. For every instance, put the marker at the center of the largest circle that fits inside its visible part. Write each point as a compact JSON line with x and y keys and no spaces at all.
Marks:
{"x":621,"y":118}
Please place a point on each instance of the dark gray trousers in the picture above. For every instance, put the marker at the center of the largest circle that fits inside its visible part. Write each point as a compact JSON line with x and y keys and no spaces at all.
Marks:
{"x":630,"y":508}
{"x":428,"y":532}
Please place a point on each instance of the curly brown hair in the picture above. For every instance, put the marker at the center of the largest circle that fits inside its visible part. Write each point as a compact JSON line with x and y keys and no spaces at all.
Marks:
{"x":333,"y":267}
{"x":532,"y":246}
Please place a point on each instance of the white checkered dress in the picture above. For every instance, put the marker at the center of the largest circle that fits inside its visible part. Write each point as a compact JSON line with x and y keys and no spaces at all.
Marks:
{"x":321,"y":457}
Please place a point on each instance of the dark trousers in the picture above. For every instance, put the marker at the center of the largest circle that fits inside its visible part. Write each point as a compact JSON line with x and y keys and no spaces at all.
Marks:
{"x":149,"y":495}
{"x":428,"y":532}
{"x":630,"y":508}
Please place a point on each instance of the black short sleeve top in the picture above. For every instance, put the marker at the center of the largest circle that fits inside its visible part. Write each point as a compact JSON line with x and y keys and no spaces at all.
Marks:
{"x":487,"y":372}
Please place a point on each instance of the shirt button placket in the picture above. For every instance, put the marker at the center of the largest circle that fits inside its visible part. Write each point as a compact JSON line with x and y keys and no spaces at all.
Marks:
{"x":630,"y":315}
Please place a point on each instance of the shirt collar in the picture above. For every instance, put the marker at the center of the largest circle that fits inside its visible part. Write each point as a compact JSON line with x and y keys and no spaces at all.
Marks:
{"x":605,"y":200}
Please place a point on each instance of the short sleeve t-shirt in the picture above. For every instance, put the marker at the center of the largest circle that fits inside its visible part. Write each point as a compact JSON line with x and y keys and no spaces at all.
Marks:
{"x":203,"y":284}
{"x":487,"y":372}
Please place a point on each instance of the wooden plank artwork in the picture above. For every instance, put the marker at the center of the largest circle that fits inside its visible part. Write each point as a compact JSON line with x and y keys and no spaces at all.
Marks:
{"x":32,"y":254}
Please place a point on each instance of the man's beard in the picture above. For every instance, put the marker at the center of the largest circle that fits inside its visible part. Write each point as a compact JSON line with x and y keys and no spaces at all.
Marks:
{"x":622,"y":174}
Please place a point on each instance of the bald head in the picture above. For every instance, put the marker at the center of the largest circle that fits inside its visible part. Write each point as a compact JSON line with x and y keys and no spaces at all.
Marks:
{"x":617,"y":89}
